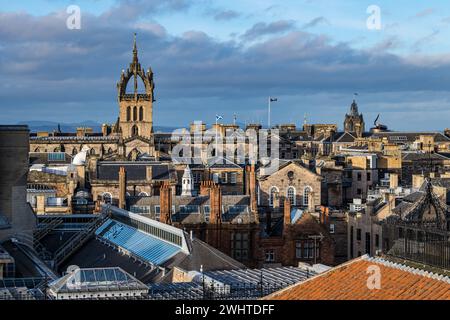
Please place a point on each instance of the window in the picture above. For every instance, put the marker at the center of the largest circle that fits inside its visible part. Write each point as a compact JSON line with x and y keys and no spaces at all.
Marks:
{"x":377,"y":240}
{"x":368,"y":176}
{"x":291,"y":195}
{"x":307,"y":249}
{"x":140,"y":209}
{"x":134,"y":113}
{"x":81,"y":201}
{"x":331,"y":228}
{"x":273,"y":192}
{"x":107,"y":197}
{"x":306,"y":193}
{"x":239,"y":246}
{"x":189,"y":209}
{"x":56,"y":156}
{"x":134,"y":131}
{"x":358,"y":234}
{"x":224,"y":177}
{"x":233,"y":177}
{"x":157,"y":212}
{"x":197,"y":177}
{"x":269,"y":255}
{"x":237,"y":209}
{"x":207,"y":212}
{"x":298,"y":249}
{"x":351,"y":242}
{"x":368,"y":244}
{"x":216,"y":177}
{"x":359,"y":176}
{"x":358,"y":191}
{"x":128,"y":113}
{"x":141,"y":114}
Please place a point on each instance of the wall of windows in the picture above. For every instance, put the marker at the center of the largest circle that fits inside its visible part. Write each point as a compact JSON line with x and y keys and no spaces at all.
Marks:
{"x":140,"y":209}
{"x":307,"y":249}
{"x":240,"y":246}
{"x":56,"y":156}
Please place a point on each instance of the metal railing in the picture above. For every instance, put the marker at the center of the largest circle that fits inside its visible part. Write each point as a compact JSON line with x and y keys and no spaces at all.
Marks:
{"x":418,"y":244}
{"x":77,"y":241}
{"x":45,"y":227}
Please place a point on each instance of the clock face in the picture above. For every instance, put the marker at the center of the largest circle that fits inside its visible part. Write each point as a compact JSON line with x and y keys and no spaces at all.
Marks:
{"x":290,"y":175}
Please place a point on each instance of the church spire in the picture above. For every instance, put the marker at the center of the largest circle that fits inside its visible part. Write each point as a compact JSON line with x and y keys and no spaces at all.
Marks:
{"x":135,"y":56}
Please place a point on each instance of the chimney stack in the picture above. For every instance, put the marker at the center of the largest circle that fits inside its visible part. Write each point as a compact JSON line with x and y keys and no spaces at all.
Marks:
{"x":122,"y":187}
{"x":253,"y":200}
{"x":287,"y":211}
{"x":393,"y":180}
{"x":205,"y":187}
{"x":165,"y":203}
{"x":215,"y":199}
{"x":311,"y":204}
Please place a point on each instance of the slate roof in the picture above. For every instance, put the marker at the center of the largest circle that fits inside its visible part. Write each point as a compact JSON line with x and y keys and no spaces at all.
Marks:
{"x":349,"y":282}
{"x":410,"y":136}
{"x":135,"y":170}
{"x":417,"y":156}
{"x":201,"y":201}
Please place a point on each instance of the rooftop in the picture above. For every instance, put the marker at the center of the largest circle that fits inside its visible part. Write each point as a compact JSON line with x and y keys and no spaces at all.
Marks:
{"x":96,"y":279}
{"x":350,"y":281}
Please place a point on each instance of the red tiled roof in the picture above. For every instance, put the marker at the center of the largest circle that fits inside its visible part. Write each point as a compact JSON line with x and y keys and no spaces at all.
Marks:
{"x":349,"y":282}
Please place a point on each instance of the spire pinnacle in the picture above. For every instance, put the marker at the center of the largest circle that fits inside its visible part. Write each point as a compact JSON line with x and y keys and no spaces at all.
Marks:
{"x":135,"y":56}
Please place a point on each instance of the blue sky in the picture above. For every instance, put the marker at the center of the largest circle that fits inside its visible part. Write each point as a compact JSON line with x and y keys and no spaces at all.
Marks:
{"x":226,"y":57}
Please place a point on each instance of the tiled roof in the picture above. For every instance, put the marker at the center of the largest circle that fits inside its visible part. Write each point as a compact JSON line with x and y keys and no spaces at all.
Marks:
{"x":349,"y":282}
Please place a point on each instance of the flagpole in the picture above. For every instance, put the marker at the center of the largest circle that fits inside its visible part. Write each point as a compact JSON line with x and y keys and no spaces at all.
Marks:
{"x":268,"y":120}
{"x":217,"y":152}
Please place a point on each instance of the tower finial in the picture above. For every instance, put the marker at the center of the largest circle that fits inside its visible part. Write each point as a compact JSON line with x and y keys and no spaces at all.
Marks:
{"x":135,"y":57}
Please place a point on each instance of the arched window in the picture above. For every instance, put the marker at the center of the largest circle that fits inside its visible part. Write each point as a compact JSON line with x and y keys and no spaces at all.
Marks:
{"x":134,"y":113}
{"x":74,"y":151}
{"x":128,"y":113}
{"x":291,"y":195}
{"x":273,"y":192}
{"x":107,"y":197}
{"x":37,"y":149}
{"x":134,"y":131}
{"x":92,"y":151}
{"x":110,"y":150}
{"x":141,"y":114}
{"x":306,"y":193}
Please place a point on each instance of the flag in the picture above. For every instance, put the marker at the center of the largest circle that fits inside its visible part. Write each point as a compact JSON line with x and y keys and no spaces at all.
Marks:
{"x":273,"y":99}
{"x":218,"y":117}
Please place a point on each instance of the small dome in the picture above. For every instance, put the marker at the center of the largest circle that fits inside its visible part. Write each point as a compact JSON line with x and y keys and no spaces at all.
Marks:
{"x":80,"y":157}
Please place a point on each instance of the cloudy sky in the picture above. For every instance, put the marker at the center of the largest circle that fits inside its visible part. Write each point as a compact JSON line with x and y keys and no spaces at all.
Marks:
{"x":227,"y":57}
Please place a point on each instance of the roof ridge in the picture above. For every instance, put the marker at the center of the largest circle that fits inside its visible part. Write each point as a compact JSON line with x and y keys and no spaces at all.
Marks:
{"x":407,"y":268}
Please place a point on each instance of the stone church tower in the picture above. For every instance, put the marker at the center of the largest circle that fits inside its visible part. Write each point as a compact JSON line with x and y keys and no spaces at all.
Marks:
{"x":354,"y":121}
{"x":135,"y":107}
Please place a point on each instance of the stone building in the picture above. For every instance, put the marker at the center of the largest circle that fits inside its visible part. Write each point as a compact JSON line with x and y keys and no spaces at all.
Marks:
{"x":354,"y":121}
